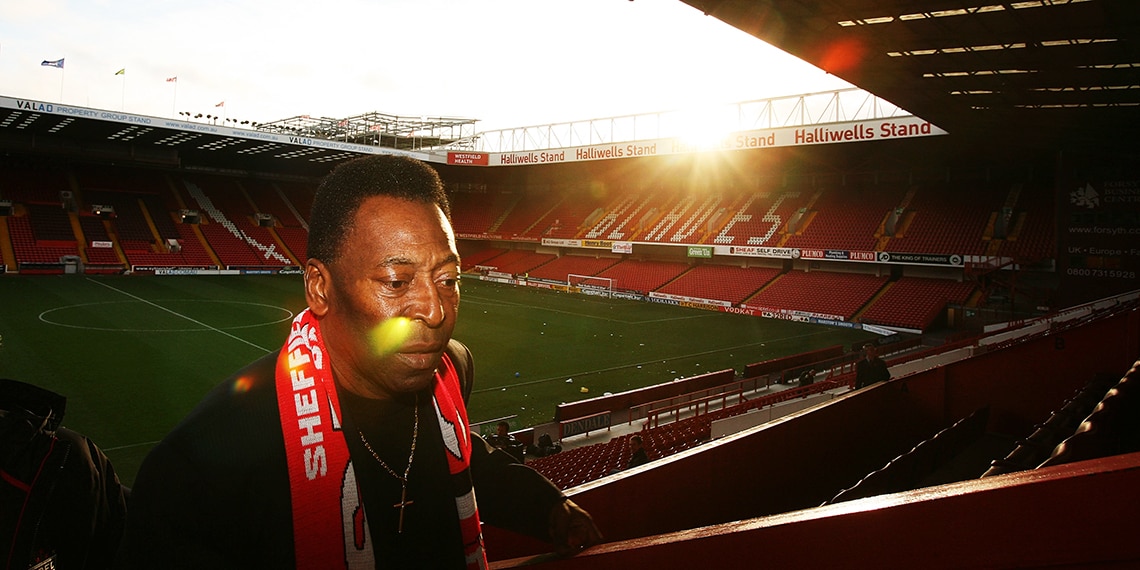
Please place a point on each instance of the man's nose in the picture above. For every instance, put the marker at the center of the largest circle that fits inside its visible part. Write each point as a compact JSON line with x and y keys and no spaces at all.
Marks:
{"x":425,"y":303}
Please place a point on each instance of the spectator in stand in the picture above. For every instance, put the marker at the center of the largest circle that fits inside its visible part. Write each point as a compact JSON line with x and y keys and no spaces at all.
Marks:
{"x":505,"y":441}
{"x":807,"y":377}
{"x":637,"y":454}
{"x":870,"y":369}
{"x":61,"y":503}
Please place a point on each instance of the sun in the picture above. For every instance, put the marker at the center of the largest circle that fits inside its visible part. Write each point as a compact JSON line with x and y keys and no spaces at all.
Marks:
{"x":704,"y":127}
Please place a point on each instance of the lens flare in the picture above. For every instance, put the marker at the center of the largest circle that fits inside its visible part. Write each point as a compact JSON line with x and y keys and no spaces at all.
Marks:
{"x":389,"y":336}
{"x":242,"y":385}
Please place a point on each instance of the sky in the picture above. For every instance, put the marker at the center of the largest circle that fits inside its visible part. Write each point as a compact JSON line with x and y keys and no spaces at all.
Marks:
{"x":505,"y":63}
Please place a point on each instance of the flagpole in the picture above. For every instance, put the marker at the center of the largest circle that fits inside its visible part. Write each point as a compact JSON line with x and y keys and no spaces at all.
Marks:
{"x":174,"y":100}
{"x":123,"y":94}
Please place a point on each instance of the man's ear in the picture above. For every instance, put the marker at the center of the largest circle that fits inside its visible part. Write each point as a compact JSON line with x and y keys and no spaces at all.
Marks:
{"x":318,"y":285}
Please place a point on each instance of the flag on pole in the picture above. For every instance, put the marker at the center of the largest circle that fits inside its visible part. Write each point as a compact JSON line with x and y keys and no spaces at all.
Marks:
{"x":122,"y":71}
{"x":57,"y":63}
{"x":172,"y":79}
{"x":222,"y":104}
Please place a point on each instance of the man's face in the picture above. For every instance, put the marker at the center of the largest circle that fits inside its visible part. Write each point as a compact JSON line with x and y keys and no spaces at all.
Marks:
{"x":388,"y":304}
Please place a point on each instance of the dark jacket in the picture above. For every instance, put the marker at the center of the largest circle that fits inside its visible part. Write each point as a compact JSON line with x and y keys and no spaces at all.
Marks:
{"x":868,"y":372}
{"x":60,"y":498}
{"x":215,"y":492}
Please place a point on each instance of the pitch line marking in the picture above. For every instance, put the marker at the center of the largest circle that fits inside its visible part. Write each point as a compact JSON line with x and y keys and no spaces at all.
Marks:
{"x":654,"y":361}
{"x":43,"y":317}
{"x":177,"y":314}
{"x":128,"y":446}
{"x":485,"y":301}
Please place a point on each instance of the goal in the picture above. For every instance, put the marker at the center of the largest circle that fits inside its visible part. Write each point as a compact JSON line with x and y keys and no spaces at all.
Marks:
{"x":590,"y":284}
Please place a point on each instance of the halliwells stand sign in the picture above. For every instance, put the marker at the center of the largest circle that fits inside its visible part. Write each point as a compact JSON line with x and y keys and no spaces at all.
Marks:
{"x":852,"y":131}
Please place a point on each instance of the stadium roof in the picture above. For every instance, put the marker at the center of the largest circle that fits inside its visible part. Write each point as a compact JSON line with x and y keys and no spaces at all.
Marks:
{"x":1043,"y":71}
{"x":298,"y":146}
{"x":1033,"y":74}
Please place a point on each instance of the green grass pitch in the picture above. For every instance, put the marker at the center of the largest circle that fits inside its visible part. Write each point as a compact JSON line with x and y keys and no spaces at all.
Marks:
{"x":134,"y":354}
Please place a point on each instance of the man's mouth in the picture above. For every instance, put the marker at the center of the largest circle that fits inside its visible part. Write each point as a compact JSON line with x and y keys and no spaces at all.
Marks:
{"x":420,"y":360}
{"x":420,"y":356}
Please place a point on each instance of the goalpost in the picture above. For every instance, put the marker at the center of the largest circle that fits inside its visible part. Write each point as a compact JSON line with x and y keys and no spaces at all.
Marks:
{"x":591,"y":285}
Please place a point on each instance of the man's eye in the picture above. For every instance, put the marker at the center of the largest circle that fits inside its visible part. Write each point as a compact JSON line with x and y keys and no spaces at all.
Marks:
{"x":397,"y":284}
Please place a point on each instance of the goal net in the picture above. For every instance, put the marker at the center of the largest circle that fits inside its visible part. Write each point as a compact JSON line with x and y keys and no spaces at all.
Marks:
{"x":591,"y":285}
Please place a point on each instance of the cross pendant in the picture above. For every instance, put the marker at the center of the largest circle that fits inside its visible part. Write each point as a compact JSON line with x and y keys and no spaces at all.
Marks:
{"x":403,"y":503}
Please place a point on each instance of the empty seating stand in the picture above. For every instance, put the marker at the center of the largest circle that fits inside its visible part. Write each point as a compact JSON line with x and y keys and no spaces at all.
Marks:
{"x":915,"y":302}
{"x":1112,"y":428}
{"x":26,"y":249}
{"x":847,"y":218}
{"x":526,"y":214}
{"x":472,"y":254}
{"x":1032,"y":235}
{"x":905,"y":471}
{"x":948,"y":221}
{"x":474,"y":212}
{"x":759,"y":217}
{"x":720,"y":282}
{"x":93,"y":231}
{"x":296,"y":239}
{"x":1037,"y":447}
{"x":584,"y":464}
{"x":231,"y":232}
{"x":559,"y":269}
{"x":50,"y":225}
{"x":565,"y":220}
{"x":643,"y":276}
{"x":835,"y":294}
{"x":518,"y":261}
{"x":129,"y":221}
{"x":191,"y":254}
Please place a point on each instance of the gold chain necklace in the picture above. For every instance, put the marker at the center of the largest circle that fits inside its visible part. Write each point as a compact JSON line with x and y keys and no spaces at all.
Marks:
{"x":411,"y":456}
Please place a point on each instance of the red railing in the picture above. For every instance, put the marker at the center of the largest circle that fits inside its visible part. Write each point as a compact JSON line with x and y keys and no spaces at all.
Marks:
{"x":698,"y":406}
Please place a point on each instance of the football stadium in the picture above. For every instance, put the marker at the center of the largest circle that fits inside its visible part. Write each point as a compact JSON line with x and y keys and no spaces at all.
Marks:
{"x":971,"y":210}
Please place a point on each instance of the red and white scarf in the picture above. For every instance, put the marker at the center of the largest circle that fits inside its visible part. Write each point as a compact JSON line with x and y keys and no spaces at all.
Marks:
{"x":329,"y":524}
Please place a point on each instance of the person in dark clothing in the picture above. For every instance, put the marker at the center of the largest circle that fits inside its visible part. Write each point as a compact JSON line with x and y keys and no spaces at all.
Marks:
{"x":807,"y":377}
{"x":350,"y":447}
{"x":506,"y":442}
{"x":870,"y":369}
{"x":61,"y":503}
{"x":637,"y":454}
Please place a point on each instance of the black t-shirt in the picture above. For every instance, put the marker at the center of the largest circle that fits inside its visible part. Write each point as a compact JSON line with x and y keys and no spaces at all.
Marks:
{"x":431,"y":536}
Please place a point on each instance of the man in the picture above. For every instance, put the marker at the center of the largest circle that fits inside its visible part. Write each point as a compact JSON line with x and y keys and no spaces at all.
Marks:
{"x":503,"y":440}
{"x":61,"y":503}
{"x":870,"y":369}
{"x":807,"y":377}
{"x":637,"y":455}
{"x":350,"y":447}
